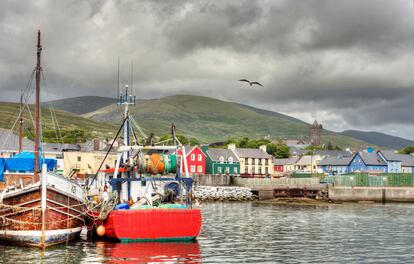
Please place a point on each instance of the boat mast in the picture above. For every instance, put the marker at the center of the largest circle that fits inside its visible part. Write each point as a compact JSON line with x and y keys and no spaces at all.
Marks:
{"x":126,"y":100}
{"x":21,"y":123}
{"x":37,"y":120}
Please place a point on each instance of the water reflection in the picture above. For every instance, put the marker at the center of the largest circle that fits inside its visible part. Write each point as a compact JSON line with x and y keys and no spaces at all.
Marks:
{"x":170,"y":252}
{"x":254,"y":233}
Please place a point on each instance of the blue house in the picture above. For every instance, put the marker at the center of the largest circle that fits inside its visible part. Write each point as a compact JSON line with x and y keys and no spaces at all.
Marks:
{"x":367,"y":162}
{"x":397,"y":163}
{"x":359,"y":162}
{"x":336,"y":165}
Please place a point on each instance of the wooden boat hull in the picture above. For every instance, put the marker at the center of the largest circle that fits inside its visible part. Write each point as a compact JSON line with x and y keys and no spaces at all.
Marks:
{"x":146,"y":225}
{"x":21,"y":214}
{"x":32,"y":238}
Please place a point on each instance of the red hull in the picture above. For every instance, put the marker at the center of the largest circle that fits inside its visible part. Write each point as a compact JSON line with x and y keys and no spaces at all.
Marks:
{"x":153,"y":224}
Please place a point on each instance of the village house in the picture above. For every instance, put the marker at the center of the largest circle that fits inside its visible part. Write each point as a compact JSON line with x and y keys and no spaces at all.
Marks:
{"x":87,"y":160}
{"x":284,"y":165}
{"x":253,"y":161}
{"x":195,"y":158}
{"x":308,"y":164}
{"x":397,"y":163}
{"x":296,"y":143}
{"x":221,"y":161}
{"x":336,"y":164}
{"x":365,"y":161}
{"x":9,"y":146}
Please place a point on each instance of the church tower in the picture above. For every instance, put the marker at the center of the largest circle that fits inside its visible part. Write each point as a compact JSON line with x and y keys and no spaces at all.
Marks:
{"x":315,"y":132}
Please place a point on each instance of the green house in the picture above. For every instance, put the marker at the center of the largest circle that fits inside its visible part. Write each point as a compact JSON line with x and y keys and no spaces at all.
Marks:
{"x":221,"y":161}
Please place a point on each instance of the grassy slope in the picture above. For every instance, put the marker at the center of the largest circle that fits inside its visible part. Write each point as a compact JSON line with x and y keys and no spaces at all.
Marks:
{"x":380,"y":139}
{"x":9,"y":114}
{"x":81,"y":105}
{"x":213,"y":120}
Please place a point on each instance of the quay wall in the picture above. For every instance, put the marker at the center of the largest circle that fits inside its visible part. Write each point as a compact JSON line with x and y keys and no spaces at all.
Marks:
{"x":375,"y":194}
{"x":276,"y":182}
{"x":211,"y":180}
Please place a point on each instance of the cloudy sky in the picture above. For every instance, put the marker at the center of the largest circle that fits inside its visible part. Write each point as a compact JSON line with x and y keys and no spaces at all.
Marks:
{"x":348,"y":64}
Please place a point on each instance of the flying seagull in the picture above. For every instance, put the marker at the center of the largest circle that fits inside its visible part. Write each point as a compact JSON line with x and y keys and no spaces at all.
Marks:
{"x":251,"y":83}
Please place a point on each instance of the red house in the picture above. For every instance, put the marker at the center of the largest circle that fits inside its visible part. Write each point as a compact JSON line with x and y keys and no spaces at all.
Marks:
{"x":196,"y":160}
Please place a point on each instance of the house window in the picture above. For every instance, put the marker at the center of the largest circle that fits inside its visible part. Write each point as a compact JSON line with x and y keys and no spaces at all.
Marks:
{"x":200,"y":169}
{"x":227,"y":170}
{"x":200,"y":157}
{"x":235,"y":170}
{"x":79,"y":158}
{"x":246,"y":169}
{"x":193,"y":157}
{"x":192,"y":168}
{"x":219,"y":170}
{"x":230,"y":159}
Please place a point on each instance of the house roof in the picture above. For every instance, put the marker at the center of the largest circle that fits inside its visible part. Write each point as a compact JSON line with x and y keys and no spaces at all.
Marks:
{"x":288,"y":161}
{"x":60,"y":147}
{"x":216,"y":153}
{"x":337,"y":161}
{"x":251,"y":153}
{"x":372,"y":158}
{"x":295,"y":142}
{"x":10,"y":141}
{"x":333,"y":153}
{"x":189,"y":149}
{"x":306,"y":160}
{"x":296,"y":151}
{"x":406,"y":160}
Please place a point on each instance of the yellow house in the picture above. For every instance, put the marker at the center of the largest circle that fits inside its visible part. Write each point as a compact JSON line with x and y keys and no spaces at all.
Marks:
{"x":83,"y":163}
{"x":253,"y":161}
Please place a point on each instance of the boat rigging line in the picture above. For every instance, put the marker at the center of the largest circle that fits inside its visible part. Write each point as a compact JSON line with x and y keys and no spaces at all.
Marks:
{"x":107,"y":153}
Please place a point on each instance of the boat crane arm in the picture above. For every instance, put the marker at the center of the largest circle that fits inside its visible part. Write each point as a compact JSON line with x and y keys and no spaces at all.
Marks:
{"x":129,"y":148}
{"x":118,"y":161}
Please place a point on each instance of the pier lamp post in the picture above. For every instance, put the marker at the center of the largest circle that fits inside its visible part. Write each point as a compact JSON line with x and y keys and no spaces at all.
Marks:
{"x":352,"y":181}
{"x":384,"y":179}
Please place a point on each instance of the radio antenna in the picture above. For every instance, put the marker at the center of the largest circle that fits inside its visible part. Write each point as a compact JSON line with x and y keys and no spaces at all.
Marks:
{"x":132,"y":77}
{"x":117,"y":84}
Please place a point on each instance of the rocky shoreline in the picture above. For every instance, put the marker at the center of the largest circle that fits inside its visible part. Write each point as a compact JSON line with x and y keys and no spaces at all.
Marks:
{"x":221,"y":193}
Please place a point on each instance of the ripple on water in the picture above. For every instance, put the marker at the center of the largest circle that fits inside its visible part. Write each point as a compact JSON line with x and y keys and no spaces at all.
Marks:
{"x":253,"y":233}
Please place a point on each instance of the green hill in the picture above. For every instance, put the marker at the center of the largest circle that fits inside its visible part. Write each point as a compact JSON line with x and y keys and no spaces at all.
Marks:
{"x":380,"y":139}
{"x":82,"y":104}
{"x":211,"y":120}
{"x":67,"y":121}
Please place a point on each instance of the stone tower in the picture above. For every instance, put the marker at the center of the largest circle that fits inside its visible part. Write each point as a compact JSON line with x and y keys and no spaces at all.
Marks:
{"x":315,"y":132}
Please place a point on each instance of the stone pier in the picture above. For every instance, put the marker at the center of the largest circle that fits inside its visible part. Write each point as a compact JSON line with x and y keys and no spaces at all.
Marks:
{"x":375,"y":194}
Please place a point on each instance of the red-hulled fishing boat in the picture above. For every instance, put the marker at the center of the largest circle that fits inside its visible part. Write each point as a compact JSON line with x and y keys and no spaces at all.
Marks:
{"x":153,"y":199}
{"x":38,"y":211}
{"x":153,"y":224}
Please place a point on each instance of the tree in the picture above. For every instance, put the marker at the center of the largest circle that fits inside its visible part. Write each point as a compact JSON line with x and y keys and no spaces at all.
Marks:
{"x":278,"y":150}
{"x":230,"y":141}
{"x":407,"y":150}
{"x":69,"y":136}
{"x":243,"y":143}
{"x":193,"y":141}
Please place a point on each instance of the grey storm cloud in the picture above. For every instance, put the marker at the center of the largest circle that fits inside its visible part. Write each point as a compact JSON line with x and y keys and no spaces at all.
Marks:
{"x":347,"y":63}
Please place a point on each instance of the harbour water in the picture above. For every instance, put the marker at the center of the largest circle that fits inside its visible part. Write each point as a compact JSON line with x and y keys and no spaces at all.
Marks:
{"x":259,"y":233}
